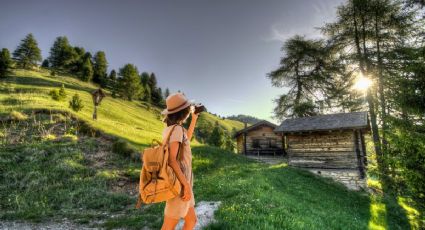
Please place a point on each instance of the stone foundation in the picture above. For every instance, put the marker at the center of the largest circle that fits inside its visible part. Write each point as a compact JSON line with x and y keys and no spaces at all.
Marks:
{"x":350,"y":178}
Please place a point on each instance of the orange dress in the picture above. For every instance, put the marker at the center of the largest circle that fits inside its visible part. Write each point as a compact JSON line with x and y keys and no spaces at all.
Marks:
{"x":176,"y":207}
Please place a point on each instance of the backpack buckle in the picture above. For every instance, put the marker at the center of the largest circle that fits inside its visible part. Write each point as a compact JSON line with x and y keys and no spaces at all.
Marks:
{"x":154,"y":176}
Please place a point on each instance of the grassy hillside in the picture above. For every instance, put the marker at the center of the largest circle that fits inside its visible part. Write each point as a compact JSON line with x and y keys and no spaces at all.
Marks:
{"x":48,"y":173}
{"x":135,"y":121}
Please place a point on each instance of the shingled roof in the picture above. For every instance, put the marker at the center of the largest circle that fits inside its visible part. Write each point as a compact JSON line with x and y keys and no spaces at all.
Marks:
{"x":254,"y":126}
{"x":354,"y":120}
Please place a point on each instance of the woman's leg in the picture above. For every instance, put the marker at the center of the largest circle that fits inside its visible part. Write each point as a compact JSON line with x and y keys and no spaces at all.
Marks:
{"x":190,"y":219}
{"x":169,"y":223}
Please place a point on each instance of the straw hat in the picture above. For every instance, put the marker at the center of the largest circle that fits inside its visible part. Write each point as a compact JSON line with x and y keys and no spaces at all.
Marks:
{"x":176,"y":102}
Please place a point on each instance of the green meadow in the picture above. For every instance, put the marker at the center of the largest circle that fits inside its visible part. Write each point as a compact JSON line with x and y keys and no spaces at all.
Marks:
{"x":48,"y":172}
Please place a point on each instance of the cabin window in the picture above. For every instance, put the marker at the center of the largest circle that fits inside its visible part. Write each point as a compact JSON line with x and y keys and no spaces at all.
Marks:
{"x":271,"y":142}
{"x":256,"y":143}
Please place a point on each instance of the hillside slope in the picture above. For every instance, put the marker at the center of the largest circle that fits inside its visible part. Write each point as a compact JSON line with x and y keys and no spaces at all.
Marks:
{"x":135,"y":121}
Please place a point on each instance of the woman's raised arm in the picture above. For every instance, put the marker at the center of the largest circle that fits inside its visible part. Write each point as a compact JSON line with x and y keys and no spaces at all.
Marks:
{"x":192,"y":125}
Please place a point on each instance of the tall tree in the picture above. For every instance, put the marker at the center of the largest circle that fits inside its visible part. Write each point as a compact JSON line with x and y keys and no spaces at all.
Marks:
{"x":144,"y":79}
{"x":300,"y":70}
{"x":167,"y":93}
{"x":62,"y":54}
{"x":45,"y":63}
{"x":27,"y":53}
{"x":129,"y":83}
{"x":5,"y":62}
{"x":100,"y":67}
{"x":86,"y":73}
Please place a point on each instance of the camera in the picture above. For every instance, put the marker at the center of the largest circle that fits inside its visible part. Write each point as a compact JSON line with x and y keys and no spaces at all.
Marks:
{"x":199,"y":108}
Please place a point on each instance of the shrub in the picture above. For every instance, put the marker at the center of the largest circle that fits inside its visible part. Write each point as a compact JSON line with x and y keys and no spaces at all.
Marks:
{"x":76,"y":103}
{"x":54,"y":93}
{"x":62,"y":92}
{"x":122,"y":148}
{"x":58,"y":94}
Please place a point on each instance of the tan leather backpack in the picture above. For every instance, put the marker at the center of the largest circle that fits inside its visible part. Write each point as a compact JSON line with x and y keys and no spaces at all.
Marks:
{"x":158,"y":181}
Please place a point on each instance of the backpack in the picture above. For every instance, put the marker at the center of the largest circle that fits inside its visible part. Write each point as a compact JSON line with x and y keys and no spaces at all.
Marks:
{"x":158,"y":181}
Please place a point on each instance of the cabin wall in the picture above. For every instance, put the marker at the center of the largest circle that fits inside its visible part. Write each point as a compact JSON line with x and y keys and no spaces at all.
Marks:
{"x":263,"y":135}
{"x":329,"y":154}
{"x":239,"y":144}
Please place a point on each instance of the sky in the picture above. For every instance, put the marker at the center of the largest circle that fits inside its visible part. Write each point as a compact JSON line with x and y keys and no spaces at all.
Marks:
{"x":217,"y":52}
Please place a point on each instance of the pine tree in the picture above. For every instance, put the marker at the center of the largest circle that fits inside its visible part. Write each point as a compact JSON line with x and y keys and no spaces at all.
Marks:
{"x":113,"y":83}
{"x":100,"y":67}
{"x":216,"y":136}
{"x":87,"y":71}
{"x":62,"y":54}
{"x":113,"y":75}
{"x":167,"y":93}
{"x":45,"y":63}
{"x":76,"y":66}
{"x":301,"y":70}
{"x":5,"y":62}
{"x":129,"y":84}
{"x":76,"y":103}
{"x":27,"y":53}
{"x":144,"y":79}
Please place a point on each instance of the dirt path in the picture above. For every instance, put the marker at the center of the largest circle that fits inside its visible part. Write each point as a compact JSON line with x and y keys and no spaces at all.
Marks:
{"x":204,"y":210}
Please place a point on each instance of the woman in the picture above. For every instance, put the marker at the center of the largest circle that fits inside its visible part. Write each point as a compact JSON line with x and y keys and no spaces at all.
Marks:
{"x":183,"y":206}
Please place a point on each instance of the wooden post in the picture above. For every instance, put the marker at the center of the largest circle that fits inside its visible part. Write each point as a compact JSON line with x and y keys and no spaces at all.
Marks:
{"x":359,"y":158}
{"x":363,"y":147}
{"x":97,"y":97}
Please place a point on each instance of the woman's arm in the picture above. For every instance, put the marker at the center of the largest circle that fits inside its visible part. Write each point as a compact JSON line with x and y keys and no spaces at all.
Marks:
{"x":172,"y":161}
{"x":192,"y":125}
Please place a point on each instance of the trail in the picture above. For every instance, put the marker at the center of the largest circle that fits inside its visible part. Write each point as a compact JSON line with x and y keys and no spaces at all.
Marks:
{"x":204,"y":211}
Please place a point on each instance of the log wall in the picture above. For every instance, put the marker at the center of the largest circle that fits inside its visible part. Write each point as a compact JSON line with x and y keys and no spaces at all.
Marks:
{"x":339,"y":155}
{"x":263,"y":134}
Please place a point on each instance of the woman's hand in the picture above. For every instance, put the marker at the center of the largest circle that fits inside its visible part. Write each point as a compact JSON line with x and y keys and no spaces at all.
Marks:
{"x":187,"y":193}
{"x":192,"y":123}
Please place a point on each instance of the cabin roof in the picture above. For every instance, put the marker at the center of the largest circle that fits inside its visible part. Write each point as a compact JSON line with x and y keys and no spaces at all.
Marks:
{"x":354,"y":120}
{"x":254,"y":126}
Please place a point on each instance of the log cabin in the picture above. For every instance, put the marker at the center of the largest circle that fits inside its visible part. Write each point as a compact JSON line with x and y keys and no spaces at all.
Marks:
{"x":329,"y":145}
{"x":259,"y":139}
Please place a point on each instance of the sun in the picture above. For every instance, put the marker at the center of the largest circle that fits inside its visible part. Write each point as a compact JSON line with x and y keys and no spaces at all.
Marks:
{"x":362,"y":82}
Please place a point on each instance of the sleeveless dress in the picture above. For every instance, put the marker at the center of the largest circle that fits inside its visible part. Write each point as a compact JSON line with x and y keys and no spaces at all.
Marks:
{"x":176,"y":207}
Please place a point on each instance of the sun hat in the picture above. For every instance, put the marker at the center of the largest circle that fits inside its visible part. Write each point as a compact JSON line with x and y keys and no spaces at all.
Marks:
{"x":176,"y":102}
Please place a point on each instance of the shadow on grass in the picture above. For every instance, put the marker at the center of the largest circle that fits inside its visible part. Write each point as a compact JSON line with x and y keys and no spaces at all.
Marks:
{"x":41,"y":82}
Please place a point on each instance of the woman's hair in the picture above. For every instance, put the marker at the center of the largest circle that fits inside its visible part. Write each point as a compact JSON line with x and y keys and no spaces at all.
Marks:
{"x":176,"y":117}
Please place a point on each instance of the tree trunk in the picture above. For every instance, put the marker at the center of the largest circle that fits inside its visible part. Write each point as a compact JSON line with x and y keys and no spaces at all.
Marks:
{"x":369,"y":96}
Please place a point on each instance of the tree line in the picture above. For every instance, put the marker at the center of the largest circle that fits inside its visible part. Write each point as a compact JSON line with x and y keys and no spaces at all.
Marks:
{"x":383,"y":42}
{"x":127,"y":83}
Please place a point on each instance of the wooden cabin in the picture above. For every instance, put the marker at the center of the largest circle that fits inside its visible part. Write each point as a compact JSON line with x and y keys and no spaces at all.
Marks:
{"x":259,"y":139}
{"x":330,"y":145}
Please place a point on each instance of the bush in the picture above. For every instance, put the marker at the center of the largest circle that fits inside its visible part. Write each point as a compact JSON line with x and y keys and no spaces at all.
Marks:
{"x":58,"y":94}
{"x":62,"y":92}
{"x":76,"y":103}
{"x":122,"y":148}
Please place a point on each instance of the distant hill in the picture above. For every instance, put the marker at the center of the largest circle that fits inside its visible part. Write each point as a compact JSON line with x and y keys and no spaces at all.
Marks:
{"x":244,"y":118}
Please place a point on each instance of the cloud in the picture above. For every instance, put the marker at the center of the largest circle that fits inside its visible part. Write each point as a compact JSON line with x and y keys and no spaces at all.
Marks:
{"x":321,"y":11}
{"x":282,"y":34}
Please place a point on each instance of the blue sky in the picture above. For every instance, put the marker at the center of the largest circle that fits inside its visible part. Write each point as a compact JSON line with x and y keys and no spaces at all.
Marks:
{"x":216,"y":52}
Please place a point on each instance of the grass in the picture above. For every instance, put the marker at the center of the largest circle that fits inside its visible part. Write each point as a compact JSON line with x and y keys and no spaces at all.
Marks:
{"x":136,"y":122}
{"x":46,"y":175}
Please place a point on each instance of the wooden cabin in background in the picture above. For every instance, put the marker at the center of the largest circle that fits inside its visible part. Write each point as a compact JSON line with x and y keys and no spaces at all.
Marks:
{"x":259,"y":139}
{"x":330,"y":145}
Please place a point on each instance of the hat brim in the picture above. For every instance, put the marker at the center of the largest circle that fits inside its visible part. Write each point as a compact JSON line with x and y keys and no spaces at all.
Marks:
{"x":188,"y":103}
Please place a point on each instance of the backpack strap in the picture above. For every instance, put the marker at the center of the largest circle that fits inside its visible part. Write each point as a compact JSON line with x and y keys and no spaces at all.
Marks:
{"x":169,"y":135}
